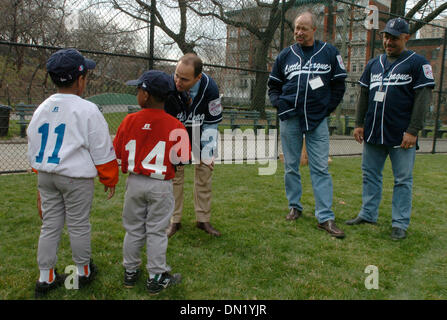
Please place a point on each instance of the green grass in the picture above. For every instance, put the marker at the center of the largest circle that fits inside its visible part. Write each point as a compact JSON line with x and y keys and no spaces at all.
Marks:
{"x":13,"y":130}
{"x":114,"y":120}
{"x":260,"y":255}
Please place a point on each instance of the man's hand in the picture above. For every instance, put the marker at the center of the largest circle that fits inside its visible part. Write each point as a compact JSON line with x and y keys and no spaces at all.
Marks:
{"x":358,"y":134}
{"x":209,"y":163}
{"x":111,"y":191}
{"x":409,"y":141}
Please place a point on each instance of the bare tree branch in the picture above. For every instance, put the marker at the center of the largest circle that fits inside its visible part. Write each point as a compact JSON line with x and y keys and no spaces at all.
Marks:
{"x":410,"y":14}
{"x":415,"y":27}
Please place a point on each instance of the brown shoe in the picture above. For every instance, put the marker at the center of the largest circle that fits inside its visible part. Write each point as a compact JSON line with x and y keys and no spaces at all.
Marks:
{"x":331,"y":228}
{"x":206,"y":226}
{"x":293,"y":214}
{"x":173,"y":228}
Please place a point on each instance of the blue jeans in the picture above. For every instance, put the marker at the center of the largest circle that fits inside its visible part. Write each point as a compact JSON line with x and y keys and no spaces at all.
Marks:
{"x":317,"y":145}
{"x":402,"y":162}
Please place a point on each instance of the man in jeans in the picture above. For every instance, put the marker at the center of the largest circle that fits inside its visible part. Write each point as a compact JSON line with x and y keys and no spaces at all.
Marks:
{"x":395,"y":92}
{"x":306,"y":85}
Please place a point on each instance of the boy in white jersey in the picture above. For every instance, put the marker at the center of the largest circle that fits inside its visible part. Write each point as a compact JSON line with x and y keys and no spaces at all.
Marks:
{"x":68,"y":145}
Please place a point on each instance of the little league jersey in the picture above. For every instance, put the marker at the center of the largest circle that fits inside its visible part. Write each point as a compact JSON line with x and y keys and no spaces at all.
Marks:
{"x":391,"y":95}
{"x":205,"y":108}
{"x":298,"y":85}
{"x":68,"y":135}
{"x":151,"y":142}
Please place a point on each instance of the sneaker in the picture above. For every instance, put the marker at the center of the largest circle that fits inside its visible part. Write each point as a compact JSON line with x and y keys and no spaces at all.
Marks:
{"x":162,"y":281}
{"x":42,"y":288}
{"x":130,"y":278}
{"x":85,"y":280}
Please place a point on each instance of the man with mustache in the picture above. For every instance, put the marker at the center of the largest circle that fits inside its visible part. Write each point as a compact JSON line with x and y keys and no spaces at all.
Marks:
{"x":306,"y":85}
{"x":396,"y":89}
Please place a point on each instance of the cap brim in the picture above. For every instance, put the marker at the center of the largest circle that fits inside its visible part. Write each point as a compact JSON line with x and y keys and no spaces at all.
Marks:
{"x":134,"y":82}
{"x":392,"y":32}
{"x":89,"y":64}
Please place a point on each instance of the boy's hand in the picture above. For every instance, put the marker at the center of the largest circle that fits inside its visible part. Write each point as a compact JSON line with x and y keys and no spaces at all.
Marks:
{"x":111,"y":191}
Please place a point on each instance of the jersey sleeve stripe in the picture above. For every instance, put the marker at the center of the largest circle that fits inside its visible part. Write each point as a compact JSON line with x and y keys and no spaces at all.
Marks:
{"x":339,"y":75}
{"x":286,"y":111}
{"x":214,"y":121}
{"x":424,"y":85}
{"x":275,"y":78}
{"x":363,"y":84}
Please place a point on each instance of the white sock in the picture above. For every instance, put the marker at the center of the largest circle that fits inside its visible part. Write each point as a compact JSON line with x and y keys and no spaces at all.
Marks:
{"x":153,"y":275}
{"x":83,"y":270}
{"x":131,"y":271}
{"x":46,"y":275}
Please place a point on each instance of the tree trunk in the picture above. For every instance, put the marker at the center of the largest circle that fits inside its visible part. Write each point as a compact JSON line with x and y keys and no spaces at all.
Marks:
{"x":30,"y":85}
{"x":344,"y":53}
{"x":258,"y":101}
{"x":398,"y":7}
{"x":330,"y":22}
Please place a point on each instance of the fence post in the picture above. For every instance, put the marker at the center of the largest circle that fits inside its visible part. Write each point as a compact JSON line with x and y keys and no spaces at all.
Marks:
{"x":438,"y":107}
{"x":151,"y":36}
{"x":281,"y":46}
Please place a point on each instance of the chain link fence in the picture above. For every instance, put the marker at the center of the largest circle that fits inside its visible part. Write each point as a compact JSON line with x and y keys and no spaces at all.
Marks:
{"x":238,"y":42}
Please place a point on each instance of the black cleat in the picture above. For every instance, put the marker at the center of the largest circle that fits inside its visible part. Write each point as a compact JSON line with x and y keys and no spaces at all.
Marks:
{"x":130,"y":278}
{"x":162,"y":281}
{"x":85,"y":280}
{"x":42,"y":288}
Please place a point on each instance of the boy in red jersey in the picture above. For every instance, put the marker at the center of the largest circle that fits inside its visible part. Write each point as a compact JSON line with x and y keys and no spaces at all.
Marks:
{"x":150,"y":143}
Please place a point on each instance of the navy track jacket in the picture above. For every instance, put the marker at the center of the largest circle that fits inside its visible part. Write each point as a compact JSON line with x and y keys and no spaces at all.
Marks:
{"x":289,"y":88}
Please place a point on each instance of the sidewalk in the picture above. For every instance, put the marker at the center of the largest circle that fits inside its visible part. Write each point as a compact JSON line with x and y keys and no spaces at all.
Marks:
{"x":239,"y":149}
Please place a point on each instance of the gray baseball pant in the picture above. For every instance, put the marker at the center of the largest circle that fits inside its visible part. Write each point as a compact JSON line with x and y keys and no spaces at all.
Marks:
{"x":148,"y":207}
{"x":69,"y":200}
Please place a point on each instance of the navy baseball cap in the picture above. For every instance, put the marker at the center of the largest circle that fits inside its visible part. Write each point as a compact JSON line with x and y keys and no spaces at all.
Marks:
{"x":396,"y":27}
{"x":68,"y":64}
{"x":154,"y":81}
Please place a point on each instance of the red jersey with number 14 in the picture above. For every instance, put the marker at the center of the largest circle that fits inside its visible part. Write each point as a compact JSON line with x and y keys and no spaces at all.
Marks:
{"x":151,"y":142}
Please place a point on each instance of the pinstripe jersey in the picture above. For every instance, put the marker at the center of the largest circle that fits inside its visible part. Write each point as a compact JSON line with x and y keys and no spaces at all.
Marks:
{"x":289,"y":88}
{"x":388,"y":117}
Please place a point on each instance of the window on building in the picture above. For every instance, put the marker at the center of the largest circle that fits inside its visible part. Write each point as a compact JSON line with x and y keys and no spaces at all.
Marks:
{"x":244,"y":33}
{"x":434,"y":53}
{"x":245,"y":45}
{"x":354,"y":67}
{"x":243,"y":57}
{"x":232,"y":45}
